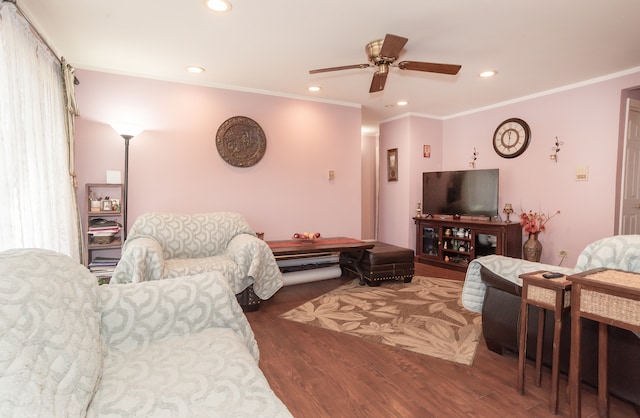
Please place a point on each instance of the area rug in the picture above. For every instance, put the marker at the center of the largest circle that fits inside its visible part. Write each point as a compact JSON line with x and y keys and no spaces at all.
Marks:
{"x":424,"y":316}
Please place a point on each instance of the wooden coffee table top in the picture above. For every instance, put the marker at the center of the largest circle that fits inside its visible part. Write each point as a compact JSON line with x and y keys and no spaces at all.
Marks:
{"x":301,"y":246}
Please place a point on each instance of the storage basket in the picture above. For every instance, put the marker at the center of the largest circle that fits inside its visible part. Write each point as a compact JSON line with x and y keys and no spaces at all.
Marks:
{"x":102,"y":239}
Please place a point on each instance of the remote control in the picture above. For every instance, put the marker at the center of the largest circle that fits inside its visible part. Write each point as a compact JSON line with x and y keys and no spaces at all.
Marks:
{"x":552,"y":275}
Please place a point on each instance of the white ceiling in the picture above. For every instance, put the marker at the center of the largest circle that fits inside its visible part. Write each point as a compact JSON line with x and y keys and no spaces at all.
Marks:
{"x":270,"y":46}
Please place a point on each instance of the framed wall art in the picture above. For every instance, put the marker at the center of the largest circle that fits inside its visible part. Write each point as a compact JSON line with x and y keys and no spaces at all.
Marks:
{"x":392,"y":164}
{"x":426,"y":151}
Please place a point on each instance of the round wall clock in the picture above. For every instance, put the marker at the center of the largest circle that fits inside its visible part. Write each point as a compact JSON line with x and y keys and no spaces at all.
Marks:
{"x":241,"y":142}
{"x":511,"y":138}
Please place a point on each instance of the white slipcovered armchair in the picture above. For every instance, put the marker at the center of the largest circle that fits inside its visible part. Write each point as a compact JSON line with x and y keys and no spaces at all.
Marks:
{"x":171,"y":348}
{"x":167,"y":245}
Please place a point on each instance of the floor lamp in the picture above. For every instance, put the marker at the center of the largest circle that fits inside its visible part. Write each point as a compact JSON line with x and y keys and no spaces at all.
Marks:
{"x":127,"y":132}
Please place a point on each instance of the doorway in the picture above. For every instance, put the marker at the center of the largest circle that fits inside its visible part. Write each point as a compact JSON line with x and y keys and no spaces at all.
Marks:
{"x":629,"y":215}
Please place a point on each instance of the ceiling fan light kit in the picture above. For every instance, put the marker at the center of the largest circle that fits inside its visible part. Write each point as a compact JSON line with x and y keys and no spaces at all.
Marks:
{"x":382,"y":53}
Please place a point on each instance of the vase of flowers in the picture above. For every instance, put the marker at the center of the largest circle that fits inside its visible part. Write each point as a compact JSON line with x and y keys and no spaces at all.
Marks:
{"x":532,"y":248}
{"x":533,"y":223}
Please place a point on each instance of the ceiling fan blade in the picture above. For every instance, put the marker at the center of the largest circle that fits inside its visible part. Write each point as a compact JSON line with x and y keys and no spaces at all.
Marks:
{"x":345,"y":67}
{"x":392,"y":45}
{"x":378,"y":81}
{"x":431,"y":67}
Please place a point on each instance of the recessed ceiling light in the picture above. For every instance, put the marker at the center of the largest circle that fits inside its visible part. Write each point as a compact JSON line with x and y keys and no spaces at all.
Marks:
{"x":402,"y":103}
{"x":314,"y":88}
{"x":489,"y":73}
{"x":220,"y":6}
{"x":195,"y":69}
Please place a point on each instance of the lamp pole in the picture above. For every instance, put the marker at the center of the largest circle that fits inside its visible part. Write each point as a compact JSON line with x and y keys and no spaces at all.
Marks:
{"x":126,"y":131}
{"x":126,"y":183}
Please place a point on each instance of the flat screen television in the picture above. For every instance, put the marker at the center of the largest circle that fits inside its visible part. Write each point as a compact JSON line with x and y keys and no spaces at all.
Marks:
{"x":464,"y":192}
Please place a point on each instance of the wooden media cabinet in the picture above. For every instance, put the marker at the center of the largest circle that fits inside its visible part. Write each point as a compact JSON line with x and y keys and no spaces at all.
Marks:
{"x":453,"y":243}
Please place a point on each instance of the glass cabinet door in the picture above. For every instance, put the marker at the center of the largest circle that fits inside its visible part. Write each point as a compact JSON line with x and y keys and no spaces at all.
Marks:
{"x":485,"y":244}
{"x":430,"y":241}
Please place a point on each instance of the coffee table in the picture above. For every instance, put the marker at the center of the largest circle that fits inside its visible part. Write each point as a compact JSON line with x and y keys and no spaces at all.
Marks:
{"x":313,"y":248}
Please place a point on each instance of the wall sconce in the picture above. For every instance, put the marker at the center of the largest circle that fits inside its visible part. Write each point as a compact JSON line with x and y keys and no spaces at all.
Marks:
{"x":472,"y":164}
{"x":508,"y":209}
{"x":127,"y":132}
{"x":556,"y":150}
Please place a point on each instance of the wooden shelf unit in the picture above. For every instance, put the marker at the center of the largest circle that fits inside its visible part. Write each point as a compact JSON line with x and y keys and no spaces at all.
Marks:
{"x":453,"y":243}
{"x":111,"y":249}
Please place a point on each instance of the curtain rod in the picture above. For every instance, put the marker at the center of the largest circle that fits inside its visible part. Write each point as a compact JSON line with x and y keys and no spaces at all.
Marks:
{"x":35,"y":31}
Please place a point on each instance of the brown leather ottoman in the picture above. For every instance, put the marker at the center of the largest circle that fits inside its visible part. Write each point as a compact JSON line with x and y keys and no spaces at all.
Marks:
{"x":383,"y":262}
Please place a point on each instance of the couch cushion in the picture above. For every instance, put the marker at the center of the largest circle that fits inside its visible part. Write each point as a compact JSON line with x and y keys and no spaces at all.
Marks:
{"x":207,"y":374}
{"x":179,"y":267}
{"x":50,"y":350}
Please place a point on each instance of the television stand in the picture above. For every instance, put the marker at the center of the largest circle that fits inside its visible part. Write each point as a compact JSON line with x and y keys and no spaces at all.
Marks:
{"x":453,"y":243}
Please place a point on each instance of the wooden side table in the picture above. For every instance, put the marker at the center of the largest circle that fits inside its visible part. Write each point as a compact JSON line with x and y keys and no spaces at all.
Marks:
{"x":610,"y":297}
{"x":547,"y":294}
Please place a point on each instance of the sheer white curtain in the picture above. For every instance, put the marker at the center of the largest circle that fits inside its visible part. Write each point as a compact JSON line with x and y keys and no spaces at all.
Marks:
{"x":37,"y":196}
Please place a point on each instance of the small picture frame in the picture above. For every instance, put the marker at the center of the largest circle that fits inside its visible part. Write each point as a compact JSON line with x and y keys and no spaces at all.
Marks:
{"x":392,"y":164}
{"x":426,"y":151}
{"x":106,"y":205}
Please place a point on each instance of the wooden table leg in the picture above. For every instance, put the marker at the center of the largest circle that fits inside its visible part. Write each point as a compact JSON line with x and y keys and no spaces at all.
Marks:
{"x":555,"y":361}
{"x":522,"y":346}
{"x":575,"y":360}
{"x":603,"y":362}
{"x":539,"y":342}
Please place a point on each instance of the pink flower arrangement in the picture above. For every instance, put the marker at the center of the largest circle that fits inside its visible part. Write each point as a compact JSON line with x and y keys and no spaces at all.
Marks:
{"x":532,"y":222}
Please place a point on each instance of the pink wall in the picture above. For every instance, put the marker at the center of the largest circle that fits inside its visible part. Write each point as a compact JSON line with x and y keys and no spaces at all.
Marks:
{"x":369,"y":195}
{"x":398,"y":200}
{"x":586,"y":119}
{"x":394,"y":195}
{"x":174,"y":164}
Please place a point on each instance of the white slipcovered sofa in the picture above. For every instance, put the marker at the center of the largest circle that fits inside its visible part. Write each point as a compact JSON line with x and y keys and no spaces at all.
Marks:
{"x":172,"y":348}
{"x":168,"y":245}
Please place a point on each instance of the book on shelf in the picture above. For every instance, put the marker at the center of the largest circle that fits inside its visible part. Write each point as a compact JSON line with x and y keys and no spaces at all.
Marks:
{"x":103,"y":227}
{"x":103,"y":262}
{"x":100,"y":223}
{"x":104,"y":232}
{"x":103,"y":269}
{"x":103,"y":274}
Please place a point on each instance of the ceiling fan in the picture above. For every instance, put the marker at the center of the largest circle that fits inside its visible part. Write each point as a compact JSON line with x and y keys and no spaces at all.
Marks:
{"x":383,"y":53}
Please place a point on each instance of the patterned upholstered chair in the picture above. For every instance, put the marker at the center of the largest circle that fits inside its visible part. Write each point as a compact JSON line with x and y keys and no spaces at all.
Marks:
{"x":71,"y":348}
{"x":167,"y":245}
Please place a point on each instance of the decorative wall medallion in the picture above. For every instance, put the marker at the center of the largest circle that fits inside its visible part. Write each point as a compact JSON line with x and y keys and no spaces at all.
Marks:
{"x":241,"y":142}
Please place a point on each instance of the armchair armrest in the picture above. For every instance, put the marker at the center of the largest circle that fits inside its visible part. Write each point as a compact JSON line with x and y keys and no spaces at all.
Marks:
{"x":256,"y":259}
{"x":142,"y":260}
{"x":506,"y":268}
{"x":137,"y":314}
{"x":491,"y":279}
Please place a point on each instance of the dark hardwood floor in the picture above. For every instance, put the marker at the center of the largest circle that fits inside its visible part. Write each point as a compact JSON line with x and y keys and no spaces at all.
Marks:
{"x":320,"y":373}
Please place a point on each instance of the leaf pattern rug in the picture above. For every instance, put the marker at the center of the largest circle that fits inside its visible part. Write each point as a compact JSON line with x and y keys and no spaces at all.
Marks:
{"x":425,"y":316}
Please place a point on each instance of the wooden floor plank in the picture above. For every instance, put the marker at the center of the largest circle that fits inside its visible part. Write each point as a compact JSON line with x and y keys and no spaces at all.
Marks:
{"x":321,"y":373}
